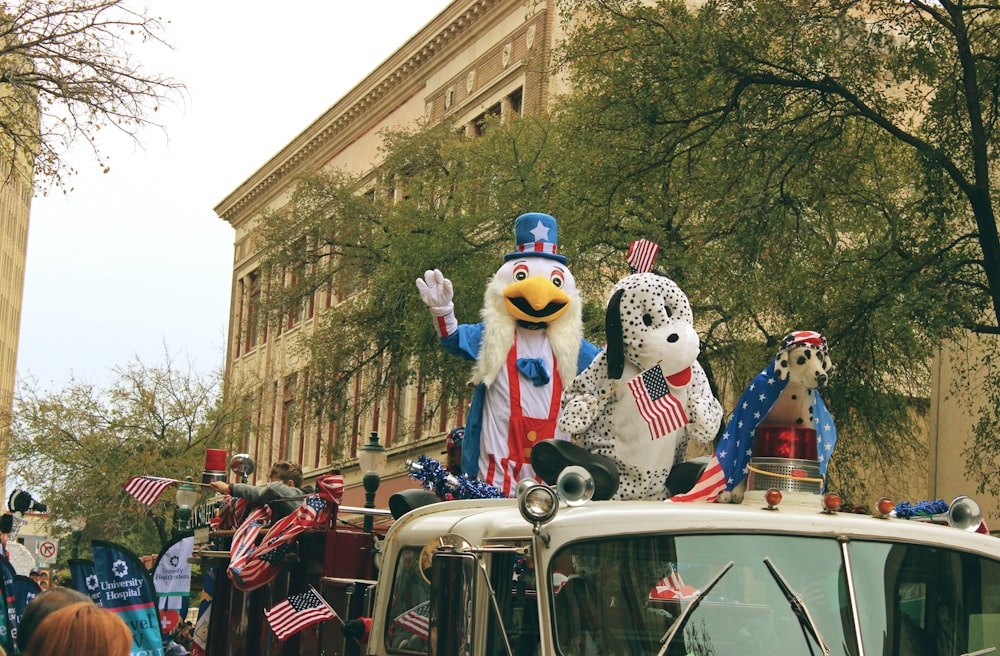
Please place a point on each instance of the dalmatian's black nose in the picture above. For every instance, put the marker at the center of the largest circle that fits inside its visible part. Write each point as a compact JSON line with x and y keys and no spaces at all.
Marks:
{"x":673,"y":337}
{"x":821,"y":379}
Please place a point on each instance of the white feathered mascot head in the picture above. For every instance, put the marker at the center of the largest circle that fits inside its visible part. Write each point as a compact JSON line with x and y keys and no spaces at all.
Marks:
{"x":533,"y":289}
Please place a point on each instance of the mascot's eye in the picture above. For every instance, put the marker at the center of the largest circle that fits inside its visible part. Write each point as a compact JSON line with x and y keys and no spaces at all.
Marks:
{"x":802,"y":359}
{"x":521,"y":272}
{"x":557,"y":278}
{"x":647,"y":319}
{"x":670,"y":312}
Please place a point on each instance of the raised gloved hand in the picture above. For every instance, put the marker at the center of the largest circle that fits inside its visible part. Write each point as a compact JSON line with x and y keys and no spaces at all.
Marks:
{"x":436,"y":292}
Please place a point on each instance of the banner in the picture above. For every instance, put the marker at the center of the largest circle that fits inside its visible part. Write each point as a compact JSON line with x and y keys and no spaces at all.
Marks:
{"x":172,"y":582}
{"x":8,"y":610}
{"x":24,"y":591}
{"x":84,"y":578}
{"x":127,"y":589}
{"x":199,"y":637}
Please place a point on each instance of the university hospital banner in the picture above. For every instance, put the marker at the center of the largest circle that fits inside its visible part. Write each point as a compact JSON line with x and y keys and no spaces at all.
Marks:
{"x":84,"y":578}
{"x":127,"y":589}
{"x":172,"y":582}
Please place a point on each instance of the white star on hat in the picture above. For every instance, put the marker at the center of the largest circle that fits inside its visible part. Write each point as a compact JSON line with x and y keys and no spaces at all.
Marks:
{"x":540,"y":232}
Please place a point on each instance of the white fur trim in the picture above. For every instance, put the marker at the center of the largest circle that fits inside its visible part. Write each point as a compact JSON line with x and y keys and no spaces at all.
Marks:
{"x":565,"y":335}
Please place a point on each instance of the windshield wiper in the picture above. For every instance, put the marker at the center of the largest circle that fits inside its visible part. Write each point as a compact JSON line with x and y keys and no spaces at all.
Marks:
{"x":798,"y":606}
{"x":682,"y":618}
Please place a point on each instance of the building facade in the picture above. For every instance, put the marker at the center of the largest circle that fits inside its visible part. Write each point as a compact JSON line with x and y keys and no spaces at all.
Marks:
{"x":477,"y":57}
{"x":15,"y":209}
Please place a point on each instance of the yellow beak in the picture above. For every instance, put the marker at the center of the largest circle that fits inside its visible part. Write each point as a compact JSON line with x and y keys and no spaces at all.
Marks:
{"x":536,"y":300}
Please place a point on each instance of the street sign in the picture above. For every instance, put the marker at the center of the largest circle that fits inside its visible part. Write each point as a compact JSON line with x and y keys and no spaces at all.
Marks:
{"x":47,"y":550}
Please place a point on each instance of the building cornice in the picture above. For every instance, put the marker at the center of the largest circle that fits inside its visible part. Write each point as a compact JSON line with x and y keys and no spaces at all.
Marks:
{"x":400,"y":71}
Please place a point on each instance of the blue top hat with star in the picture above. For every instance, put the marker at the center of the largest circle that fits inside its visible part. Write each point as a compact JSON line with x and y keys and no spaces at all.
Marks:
{"x":537,"y":235}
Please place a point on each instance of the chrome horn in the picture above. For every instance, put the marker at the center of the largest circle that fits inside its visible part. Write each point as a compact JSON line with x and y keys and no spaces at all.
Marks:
{"x":575,"y":485}
{"x":963,"y":513}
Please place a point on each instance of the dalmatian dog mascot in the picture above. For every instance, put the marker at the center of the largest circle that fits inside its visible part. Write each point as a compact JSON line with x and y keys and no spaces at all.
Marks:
{"x":786,"y":393}
{"x":642,"y":399}
{"x":528,"y":346}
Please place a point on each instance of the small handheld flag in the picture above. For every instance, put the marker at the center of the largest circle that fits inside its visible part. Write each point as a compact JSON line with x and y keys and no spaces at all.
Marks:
{"x":297,"y":612}
{"x":416,"y":620}
{"x":660,"y":409}
{"x":640,"y":255}
{"x":147,"y":489}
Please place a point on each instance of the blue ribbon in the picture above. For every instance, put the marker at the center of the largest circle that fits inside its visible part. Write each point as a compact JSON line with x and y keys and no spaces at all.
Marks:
{"x":534,"y":370}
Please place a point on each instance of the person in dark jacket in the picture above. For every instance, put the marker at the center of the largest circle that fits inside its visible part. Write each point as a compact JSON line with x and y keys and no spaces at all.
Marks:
{"x":283,"y":494}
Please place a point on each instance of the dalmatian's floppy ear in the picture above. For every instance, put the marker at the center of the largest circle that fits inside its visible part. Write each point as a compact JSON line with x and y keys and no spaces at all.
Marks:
{"x":613,"y":333}
{"x":781,"y":365}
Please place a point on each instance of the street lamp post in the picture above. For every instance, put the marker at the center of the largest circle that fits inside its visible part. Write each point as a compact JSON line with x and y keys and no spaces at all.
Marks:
{"x":187,"y":497}
{"x":76,"y":524}
{"x":371,"y":460}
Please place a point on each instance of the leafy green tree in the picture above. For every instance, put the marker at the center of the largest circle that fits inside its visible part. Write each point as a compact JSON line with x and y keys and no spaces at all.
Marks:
{"x":805,"y":165}
{"x":439,"y":200}
{"x":818,"y":165}
{"x":67,"y":71}
{"x":75,"y":448}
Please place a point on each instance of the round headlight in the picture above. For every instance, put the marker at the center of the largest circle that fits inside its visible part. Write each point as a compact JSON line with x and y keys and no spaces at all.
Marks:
{"x":538,"y":503}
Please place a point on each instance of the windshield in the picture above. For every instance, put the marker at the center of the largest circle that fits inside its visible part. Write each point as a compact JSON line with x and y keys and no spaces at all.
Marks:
{"x":622,"y":595}
{"x":925,"y":601}
{"x":783,"y":595}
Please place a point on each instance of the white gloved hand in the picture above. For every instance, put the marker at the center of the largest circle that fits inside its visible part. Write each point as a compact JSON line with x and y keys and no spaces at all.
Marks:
{"x":437,"y":293}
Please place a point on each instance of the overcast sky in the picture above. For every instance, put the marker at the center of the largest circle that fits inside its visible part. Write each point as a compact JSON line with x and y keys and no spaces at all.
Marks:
{"x":135,"y":262}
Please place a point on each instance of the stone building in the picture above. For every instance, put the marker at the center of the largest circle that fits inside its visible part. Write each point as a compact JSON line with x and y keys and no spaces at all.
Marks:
{"x":472,"y":59}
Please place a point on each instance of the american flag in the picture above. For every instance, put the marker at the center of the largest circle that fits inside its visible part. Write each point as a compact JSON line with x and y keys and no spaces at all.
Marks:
{"x":231,"y":514}
{"x":252,"y":566}
{"x":297,"y":612}
{"x":416,"y":620}
{"x":662,"y":411}
{"x":147,"y":489}
{"x":729,"y":464}
{"x":640,"y":255}
{"x":672,"y":587}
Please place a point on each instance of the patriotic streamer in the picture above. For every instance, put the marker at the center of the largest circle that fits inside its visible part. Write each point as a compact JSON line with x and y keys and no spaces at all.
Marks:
{"x":252,"y":566}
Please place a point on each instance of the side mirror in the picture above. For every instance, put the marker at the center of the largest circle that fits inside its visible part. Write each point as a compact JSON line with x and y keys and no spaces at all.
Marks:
{"x":453,"y":593}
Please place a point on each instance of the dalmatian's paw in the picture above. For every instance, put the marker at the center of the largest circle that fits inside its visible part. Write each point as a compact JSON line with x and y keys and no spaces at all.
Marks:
{"x":733,"y":496}
{"x":704,"y":416}
{"x":579,"y":413}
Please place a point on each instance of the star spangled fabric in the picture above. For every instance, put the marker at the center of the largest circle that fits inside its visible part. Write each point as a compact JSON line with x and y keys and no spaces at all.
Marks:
{"x":728,"y":465}
{"x":231,"y":514}
{"x":416,"y":620}
{"x":147,"y":489}
{"x":252,"y":565}
{"x":297,"y":612}
{"x":660,"y":409}
{"x":640,"y":255}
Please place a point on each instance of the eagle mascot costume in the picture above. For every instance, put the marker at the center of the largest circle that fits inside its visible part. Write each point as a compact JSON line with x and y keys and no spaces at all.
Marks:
{"x":527,"y":347}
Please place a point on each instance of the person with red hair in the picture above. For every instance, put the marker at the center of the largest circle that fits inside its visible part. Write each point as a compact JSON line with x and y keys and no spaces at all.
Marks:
{"x":81,"y":629}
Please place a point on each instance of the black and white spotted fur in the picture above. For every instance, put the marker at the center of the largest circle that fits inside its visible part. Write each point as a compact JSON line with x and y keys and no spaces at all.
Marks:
{"x":648,"y":321}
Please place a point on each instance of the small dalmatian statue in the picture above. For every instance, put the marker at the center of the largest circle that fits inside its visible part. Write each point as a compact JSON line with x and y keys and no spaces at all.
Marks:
{"x":645,"y":396}
{"x":785,"y":393}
